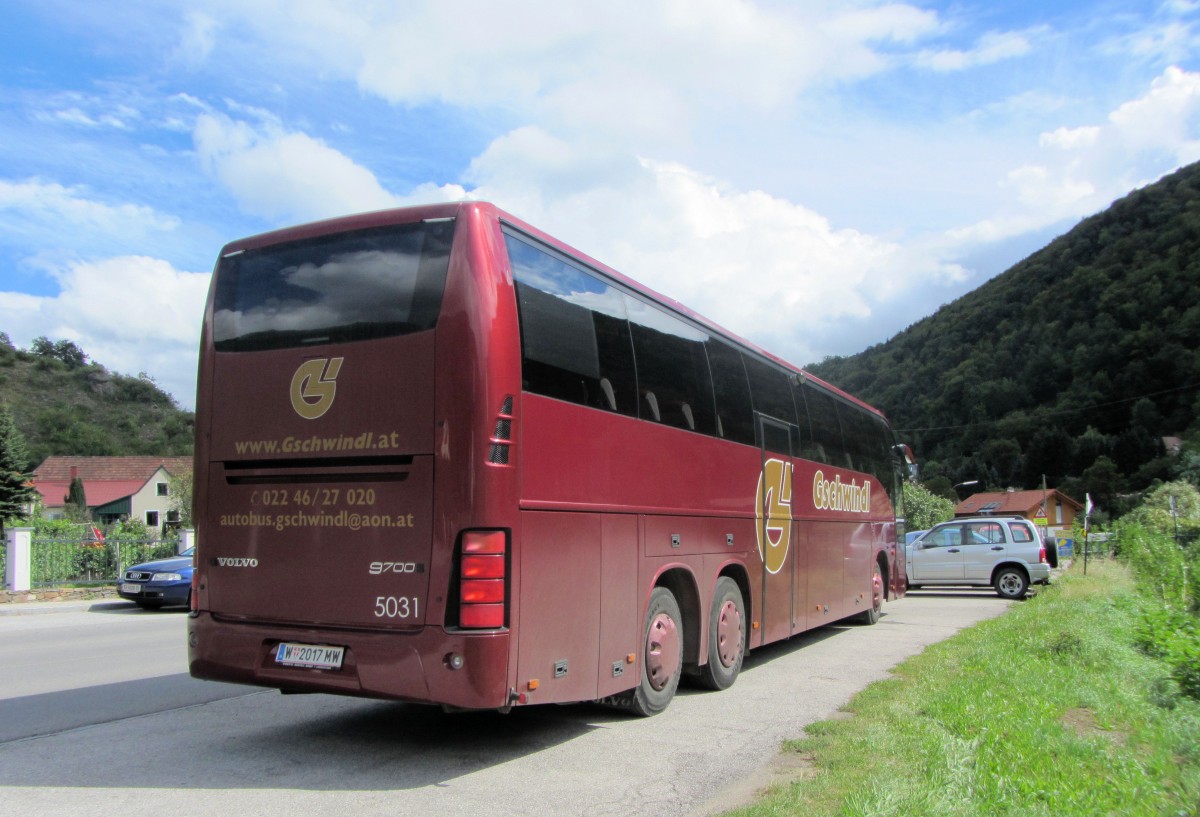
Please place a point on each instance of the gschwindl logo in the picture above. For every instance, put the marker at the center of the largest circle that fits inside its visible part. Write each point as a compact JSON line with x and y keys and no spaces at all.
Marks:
{"x":774,"y":510}
{"x":314,"y":385}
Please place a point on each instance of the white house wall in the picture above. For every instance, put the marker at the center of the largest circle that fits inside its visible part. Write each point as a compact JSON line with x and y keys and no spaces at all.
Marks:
{"x":147,"y":499}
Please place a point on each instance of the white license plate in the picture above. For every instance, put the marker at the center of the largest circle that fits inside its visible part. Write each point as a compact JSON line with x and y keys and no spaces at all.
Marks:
{"x":131,"y":588}
{"x":313,"y":656}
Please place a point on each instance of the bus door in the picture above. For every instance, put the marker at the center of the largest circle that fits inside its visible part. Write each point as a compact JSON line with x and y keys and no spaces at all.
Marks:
{"x":776,"y":531}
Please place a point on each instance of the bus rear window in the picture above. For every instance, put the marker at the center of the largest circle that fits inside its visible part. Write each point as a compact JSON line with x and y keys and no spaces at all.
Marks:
{"x":356,"y":285}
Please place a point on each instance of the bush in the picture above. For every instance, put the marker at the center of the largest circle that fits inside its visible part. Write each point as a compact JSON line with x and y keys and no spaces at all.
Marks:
{"x":923,"y":509}
{"x":1174,"y":637}
{"x":1167,"y":574}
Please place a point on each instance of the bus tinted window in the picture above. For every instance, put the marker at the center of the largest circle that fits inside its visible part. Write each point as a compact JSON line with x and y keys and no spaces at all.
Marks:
{"x":574,"y":334}
{"x":771,"y":390}
{"x":735,"y":415}
{"x":672,"y":369}
{"x":351,"y":286}
{"x":827,"y":445}
{"x":867,"y":440}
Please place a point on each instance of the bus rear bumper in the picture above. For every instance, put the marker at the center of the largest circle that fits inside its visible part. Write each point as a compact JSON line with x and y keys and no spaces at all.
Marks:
{"x":418,"y":666}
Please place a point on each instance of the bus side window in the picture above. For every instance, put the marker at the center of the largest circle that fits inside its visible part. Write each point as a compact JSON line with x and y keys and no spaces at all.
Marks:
{"x":672,"y":370}
{"x":827,"y":446}
{"x":771,"y":390}
{"x":574,"y":336}
{"x":735,"y":415}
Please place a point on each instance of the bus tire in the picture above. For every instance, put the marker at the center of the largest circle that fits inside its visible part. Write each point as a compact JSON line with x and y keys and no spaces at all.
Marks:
{"x":726,"y":636}
{"x":662,"y":655}
{"x":872,"y":614}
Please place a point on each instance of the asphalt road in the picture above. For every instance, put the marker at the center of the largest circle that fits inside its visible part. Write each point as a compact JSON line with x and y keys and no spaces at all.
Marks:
{"x":98,"y":718}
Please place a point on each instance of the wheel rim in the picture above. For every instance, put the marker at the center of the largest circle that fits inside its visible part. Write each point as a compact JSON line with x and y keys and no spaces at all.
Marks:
{"x":662,"y":650}
{"x":877,"y":591}
{"x":729,"y":634}
{"x":1010,"y":584}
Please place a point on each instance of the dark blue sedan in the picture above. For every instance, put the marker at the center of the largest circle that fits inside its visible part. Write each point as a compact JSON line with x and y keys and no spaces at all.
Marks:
{"x":161,"y":583}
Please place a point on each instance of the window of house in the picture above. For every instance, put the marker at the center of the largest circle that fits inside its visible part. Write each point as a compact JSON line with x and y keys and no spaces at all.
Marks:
{"x":152,"y":519}
{"x":163,"y":488}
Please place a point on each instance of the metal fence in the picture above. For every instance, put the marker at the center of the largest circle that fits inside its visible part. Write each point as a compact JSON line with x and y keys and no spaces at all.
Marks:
{"x":63,"y":561}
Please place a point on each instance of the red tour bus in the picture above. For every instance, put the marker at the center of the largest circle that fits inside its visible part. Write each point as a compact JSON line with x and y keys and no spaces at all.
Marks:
{"x":442,"y":457}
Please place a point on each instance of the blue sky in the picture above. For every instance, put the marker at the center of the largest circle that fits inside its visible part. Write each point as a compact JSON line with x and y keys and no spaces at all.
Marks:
{"x":813,"y":175}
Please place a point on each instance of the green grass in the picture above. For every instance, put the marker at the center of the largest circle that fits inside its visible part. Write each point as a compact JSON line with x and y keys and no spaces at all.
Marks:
{"x":1049,"y":709}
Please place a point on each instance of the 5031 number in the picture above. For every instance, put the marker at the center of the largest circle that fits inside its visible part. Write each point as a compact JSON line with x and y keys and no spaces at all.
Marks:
{"x":396,"y":606}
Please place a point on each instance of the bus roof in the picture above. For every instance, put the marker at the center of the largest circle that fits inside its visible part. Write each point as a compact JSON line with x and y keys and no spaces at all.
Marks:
{"x":378,"y":218}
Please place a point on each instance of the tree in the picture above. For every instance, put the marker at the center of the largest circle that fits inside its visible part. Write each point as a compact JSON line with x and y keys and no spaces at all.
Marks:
{"x":1102,"y":481}
{"x":76,"y":506}
{"x":924,"y":509}
{"x":1155,"y":512}
{"x":181,"y":498}
{"x":63,"y":351}
{"x":16,"y":490}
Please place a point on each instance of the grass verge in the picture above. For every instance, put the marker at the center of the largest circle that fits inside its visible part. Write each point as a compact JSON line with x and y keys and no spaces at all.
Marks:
{"x":1048,"y":710}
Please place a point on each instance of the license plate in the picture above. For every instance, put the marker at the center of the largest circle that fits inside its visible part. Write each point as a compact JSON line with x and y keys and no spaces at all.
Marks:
{"x":131,"y":588}
{"x":312,"y":656}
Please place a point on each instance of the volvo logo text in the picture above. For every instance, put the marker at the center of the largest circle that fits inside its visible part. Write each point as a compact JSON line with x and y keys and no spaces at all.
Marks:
{"x":229,"y":561}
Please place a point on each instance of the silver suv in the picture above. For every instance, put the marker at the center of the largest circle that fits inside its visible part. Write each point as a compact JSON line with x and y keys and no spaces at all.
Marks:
{"x":1005,"y":553}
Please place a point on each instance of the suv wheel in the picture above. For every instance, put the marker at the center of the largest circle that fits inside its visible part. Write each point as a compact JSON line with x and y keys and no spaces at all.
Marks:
{"x":1011,"y":583}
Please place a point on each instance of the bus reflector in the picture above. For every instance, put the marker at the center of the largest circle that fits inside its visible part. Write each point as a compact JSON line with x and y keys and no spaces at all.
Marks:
{"x":483,"y":567}
{"x":482,"y":616}
{"x":482,"y":591}
{"x":492,"y":541}
{"x":483,"y":575}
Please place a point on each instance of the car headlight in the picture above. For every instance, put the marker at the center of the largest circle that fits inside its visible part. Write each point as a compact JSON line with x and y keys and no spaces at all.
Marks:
{"x":166,"y":577}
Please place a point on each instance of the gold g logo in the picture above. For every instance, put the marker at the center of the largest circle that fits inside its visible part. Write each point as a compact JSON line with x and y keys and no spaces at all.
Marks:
{"x":314,"y":385}
{"x":774,"y":510}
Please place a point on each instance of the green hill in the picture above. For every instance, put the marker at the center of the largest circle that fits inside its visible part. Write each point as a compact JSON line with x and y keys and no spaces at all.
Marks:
{"x":1073,"y":364}
{"x":62,"y":404}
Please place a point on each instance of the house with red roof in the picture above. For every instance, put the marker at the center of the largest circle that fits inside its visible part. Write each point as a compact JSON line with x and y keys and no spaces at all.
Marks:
{"x":1058,"y":513}
{"x":116,"y":487}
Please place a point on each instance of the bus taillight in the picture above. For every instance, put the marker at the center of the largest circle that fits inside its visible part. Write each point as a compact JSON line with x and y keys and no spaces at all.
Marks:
{"x":483,"y":577}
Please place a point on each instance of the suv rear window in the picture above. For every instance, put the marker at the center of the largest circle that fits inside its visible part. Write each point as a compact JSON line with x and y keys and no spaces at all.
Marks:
{"x":1020,"y":533}
{"x":355,"y":285}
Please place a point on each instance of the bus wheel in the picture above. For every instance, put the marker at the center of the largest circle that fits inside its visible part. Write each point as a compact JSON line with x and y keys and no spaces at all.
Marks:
{"x":662,"y":655}
{"x":872,"y":615}
{"x":726,"y":636}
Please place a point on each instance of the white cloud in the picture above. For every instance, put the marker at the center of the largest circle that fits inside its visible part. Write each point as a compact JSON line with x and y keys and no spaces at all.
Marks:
{"x":763,"y":267}
{"x":197,"y":40}
{"x":1071,"y":138}
{"x":131,"y":313}
{"x":290,"y":176}
{"x":285,"y":175}
{"x":626,"y":68}
{"x":41,"y":210}
{"x":992,"y":47}
{"x":1081,"y":170}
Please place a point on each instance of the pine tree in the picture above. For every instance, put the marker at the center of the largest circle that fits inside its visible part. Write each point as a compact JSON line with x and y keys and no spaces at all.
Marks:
{"x":76,"y":502}
{"x":15,"y":488}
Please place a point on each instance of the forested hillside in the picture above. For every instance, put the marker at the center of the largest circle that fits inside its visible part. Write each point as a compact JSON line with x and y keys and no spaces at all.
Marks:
{"x":1072,"y":364}
{"x":63,"y":404}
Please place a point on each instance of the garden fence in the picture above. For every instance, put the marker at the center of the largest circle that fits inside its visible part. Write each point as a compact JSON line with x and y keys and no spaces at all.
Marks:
{"x":73,"y":561}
